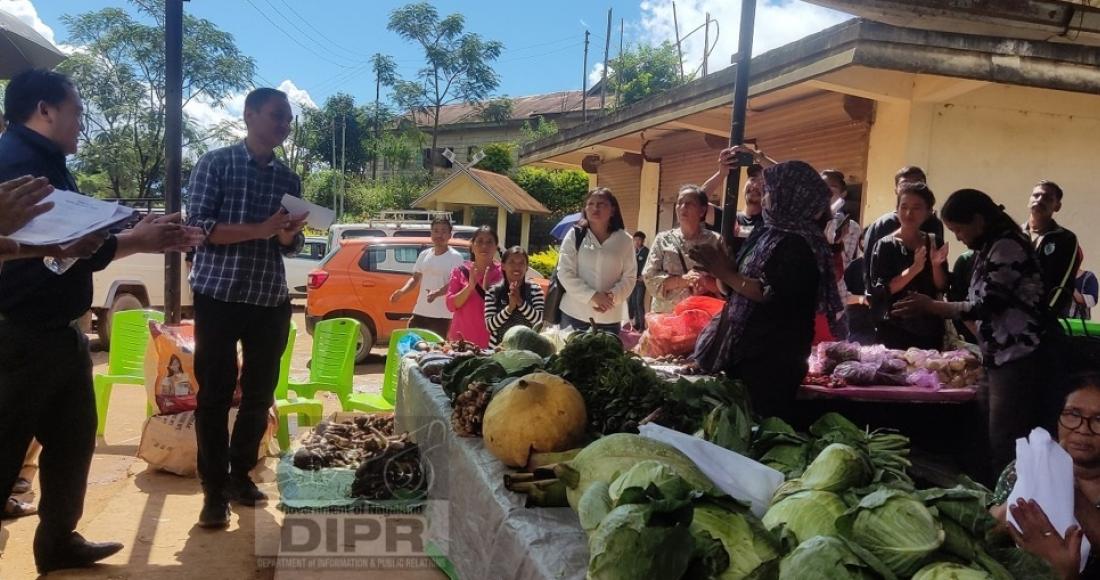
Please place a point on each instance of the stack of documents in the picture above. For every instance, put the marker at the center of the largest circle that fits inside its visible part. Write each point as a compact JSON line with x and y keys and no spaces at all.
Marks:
{"x":72,"y":217}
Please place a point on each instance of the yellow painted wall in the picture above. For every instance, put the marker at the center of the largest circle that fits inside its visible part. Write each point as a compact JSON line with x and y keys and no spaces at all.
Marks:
{"x":999,"y":139}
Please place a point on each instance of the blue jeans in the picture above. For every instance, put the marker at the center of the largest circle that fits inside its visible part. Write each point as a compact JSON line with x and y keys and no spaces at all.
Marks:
{"x":581,"y":326}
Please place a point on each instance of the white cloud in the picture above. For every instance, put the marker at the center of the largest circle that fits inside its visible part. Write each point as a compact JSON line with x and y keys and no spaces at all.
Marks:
{"x":596,"y":74}
{"x":778,"y":22}
{"x":25,"y":11}
{"x":207,"y":115}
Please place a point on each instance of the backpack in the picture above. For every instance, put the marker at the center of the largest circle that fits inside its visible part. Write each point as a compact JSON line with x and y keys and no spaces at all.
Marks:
{"x":555,"y":290}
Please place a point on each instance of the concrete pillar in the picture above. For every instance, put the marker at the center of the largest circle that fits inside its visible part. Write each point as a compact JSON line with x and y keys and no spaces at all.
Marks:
{"x":649,"y":197}
{"x":524,"y":230}
{"x":467,"y":215}
{"x":592,"y":182}
{"x":502,"y":225}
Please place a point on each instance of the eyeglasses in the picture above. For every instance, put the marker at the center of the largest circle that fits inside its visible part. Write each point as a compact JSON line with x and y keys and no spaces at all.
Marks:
{"x":1072,"y":420}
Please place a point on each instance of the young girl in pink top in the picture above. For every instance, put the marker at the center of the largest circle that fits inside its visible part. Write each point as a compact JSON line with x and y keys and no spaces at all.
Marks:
{"x":468,"y":287}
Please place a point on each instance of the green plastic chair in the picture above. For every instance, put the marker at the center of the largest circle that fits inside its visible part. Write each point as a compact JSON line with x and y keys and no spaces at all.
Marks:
{"x":309,"y":411}
{"x":385,"y":401}
{"x":332,"y":364}
{"x":125,"y":361}
{"x":1078,"y":327}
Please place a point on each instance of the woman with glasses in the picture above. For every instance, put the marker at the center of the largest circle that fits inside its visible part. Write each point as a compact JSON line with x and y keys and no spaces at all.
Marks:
{"x":1079,"y":435}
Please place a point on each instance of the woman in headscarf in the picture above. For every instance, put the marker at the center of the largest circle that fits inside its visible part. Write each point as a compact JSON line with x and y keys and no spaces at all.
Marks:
{"x":782,"y":276}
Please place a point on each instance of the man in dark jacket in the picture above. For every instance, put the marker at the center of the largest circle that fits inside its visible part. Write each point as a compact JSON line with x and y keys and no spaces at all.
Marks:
{"x":1055,"y":246}
{"x":45,"y":369}
{"x":636,"y":305}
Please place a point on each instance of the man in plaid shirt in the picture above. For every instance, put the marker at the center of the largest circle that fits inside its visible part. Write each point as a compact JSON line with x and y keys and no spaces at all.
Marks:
{"x":239,"y":285}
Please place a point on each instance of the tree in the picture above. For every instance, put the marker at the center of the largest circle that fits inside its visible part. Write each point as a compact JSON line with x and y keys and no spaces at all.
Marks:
{"x":561,"y":191}
{"x":457,"y":64}
{"x":120,"y":74}
{"x":385,"y":74}
{"x":499,"y":158}
{"x":543,"y":127}
{"x":496,"y":110}
{"x":646,"y":70}
{"x":339,"y":128}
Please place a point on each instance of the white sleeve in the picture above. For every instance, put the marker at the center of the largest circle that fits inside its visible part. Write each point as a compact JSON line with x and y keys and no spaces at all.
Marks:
{"x":421,"y":260}
{"x":567,"y":269}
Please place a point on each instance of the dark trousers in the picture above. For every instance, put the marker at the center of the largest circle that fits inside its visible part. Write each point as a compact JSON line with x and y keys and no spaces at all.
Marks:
{"x":581,"y":326}
{"x":262,"y":333}
{"x":46,"y":393}
{"x":772,"y":384}
{"x":440,"y":326}
{"x":636,"y":306}
{"x":1020,"y":396}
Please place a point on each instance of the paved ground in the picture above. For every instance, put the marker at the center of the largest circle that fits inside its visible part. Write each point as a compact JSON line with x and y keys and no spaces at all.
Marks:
{"x":154,"y":513}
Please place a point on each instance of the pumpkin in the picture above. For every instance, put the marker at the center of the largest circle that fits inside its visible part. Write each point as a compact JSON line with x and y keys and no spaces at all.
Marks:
{"x":540,"y":412}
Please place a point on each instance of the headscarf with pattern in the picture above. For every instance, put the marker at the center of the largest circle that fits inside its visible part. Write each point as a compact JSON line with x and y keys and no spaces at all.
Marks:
{"x":797,"y":197}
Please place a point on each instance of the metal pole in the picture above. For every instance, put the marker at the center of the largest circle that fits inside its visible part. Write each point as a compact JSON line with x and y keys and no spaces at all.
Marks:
{"x":343,"y":161}
{"x":606,"y":51}
{"x":584,"y":80}
{"x":706,"y":43}
{"x":740,"y":105}
{"x":679,"y":50}
{"x":173,"y":145}
{"x":619,"y":61}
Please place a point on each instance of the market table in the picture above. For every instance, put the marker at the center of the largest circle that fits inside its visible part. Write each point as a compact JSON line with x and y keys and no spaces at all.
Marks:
{"x":886,"y":394}
{"x":484,"y":529}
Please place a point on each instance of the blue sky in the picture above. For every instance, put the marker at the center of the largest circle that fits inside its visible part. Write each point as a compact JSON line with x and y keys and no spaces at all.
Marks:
{"x":320,"y":47}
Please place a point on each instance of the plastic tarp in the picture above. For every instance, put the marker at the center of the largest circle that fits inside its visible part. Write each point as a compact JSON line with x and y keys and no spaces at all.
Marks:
{"x":484,"y":529}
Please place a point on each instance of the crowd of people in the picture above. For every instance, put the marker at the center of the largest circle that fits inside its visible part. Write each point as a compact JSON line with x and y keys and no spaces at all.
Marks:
{"x":801,"y":270}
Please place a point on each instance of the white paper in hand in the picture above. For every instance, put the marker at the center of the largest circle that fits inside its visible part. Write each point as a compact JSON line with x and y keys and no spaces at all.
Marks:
{"x":1044,"y":473}
{"x":319,"y":217}
{"x":740,"y":477}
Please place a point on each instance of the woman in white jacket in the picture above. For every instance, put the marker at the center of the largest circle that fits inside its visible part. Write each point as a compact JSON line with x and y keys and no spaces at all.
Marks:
{"x":598,"y":274}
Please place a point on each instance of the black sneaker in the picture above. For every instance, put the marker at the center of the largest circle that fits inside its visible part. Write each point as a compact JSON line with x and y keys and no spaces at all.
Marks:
{"x":215,"y":513}
{"x":244,"y":492}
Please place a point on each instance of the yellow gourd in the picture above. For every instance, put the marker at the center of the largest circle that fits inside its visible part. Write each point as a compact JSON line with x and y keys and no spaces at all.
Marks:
{"x":540,"y":412}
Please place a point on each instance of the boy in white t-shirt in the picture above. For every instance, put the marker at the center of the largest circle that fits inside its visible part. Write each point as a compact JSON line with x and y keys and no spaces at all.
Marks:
{"x":431,"y":273}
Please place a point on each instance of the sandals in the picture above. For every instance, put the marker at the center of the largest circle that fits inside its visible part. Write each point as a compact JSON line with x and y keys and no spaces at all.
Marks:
{"x":14,"y":508}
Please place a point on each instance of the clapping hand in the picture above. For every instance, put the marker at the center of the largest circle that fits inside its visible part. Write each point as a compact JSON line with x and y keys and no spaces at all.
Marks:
{"x":514,"y":298}
{"x":1034,"y":533}
{"x":920,"y":257}
{"x":711,"y":258}
{"x":164,"y":233}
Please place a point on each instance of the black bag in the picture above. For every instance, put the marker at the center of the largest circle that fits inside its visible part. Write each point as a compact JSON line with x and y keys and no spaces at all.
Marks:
{"x":554,"y":292}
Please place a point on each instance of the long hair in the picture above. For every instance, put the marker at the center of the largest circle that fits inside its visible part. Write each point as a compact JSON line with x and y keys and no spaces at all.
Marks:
{"x":965,"y":205}
{"x":617,"y":222}
{"x":499,"y":291}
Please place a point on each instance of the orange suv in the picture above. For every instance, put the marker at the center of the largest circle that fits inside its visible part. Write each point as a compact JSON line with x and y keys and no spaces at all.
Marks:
{"x":357,"y":278}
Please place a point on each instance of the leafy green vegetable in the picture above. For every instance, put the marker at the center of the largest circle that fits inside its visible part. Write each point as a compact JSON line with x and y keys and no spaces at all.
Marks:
{"x":650,"y":473}
{"x":895,"y":527}
{"x":1022,"y":564}
{"x":523,"y":338}
{"x":806,"y":514}
{"x":641,"y":541}
{"x":751,"y":552}
{"x":607,"y":457}
{"x":516,"y":361}
{"x":594,"y":506}
{"x":827,"y":558}
{"x":837,"y":468}
{"x":950,"y":571}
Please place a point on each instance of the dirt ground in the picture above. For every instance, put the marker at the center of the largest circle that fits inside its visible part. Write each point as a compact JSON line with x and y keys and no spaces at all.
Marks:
{"x":154,"y":513}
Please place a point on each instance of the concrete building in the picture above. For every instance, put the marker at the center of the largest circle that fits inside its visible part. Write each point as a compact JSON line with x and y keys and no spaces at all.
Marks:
{"x":867,"y":97}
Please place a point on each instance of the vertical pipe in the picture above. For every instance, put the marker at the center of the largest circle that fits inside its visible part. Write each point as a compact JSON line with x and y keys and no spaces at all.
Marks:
{"x":606,"y":51}
{"x":584,"y":80}
{"x":706,"y":43}
{"x":679,"y":50}
{"x":173,"y":145}
{"x":740,"y":106}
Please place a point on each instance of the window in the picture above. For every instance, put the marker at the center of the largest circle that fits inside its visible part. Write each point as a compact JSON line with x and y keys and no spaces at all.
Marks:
{"x":464,"y":235}
{"x":412,"y":233}
{"x":362,"y":234}
{"x":312,"y":251}
{"x":390,"y":259}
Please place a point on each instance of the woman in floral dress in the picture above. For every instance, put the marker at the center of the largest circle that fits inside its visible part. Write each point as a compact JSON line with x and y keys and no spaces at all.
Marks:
{"x":1005,"y":301}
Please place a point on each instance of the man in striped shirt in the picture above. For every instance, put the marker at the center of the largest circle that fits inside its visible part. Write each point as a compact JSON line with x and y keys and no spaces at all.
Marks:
{"x":240,"y":292}
{"x":515,"y":301}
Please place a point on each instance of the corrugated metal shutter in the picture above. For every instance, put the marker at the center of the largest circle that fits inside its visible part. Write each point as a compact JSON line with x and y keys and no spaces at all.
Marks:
{"x":694,"y":163}
{"x":624,"y":179}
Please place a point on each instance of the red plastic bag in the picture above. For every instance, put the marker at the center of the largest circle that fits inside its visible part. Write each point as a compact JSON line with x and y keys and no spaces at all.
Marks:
{"x":708,"y":304}
{"x":673,"y":334}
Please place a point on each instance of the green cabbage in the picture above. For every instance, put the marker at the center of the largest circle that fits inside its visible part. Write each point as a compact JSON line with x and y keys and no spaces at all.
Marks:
{"x":895,"y":527}
{"x":837,"y":468}
{"x":650,"y":473}
{"x":950,"y":571}
{"x":750,"y":551}
{"x":806,"y":514}
{"x":523,"y":338}
{"x":825,"y":558}
{"x":515,"y":361}
{"x":641,"y":541}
